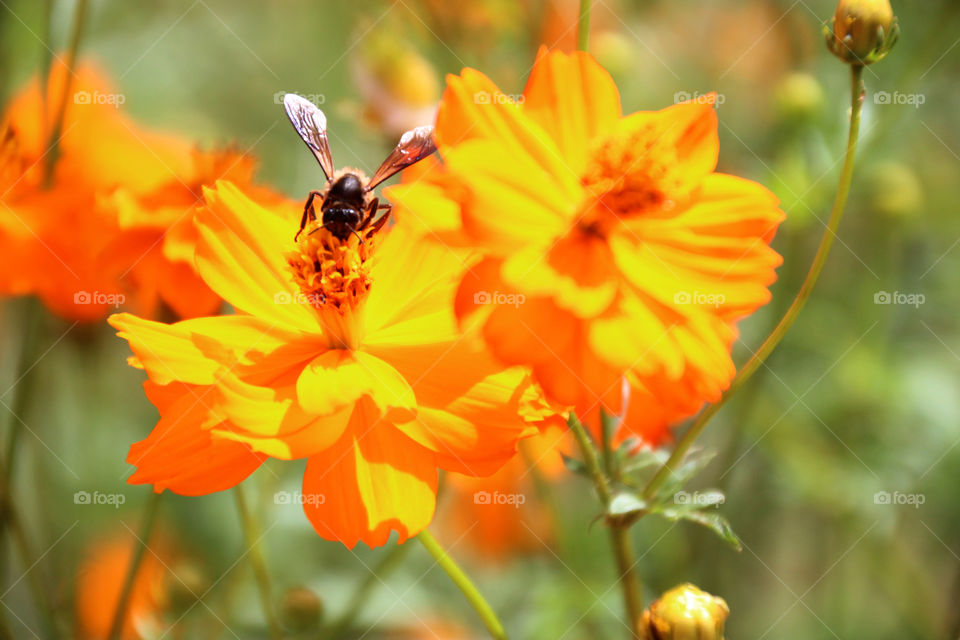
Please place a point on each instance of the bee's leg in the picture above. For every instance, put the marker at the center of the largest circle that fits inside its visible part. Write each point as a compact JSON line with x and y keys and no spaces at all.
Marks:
{"x":368,"y":216}
{"x":308,"y":214}
{"x":382,"y":220}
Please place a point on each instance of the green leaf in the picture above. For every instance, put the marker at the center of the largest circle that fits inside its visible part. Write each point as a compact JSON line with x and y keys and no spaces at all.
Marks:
{"x":575,"y":465}
{"x":692,"y":464}
{"x":709,"y":519}
{"x":626,"y":508}
{"x":644,"y":459}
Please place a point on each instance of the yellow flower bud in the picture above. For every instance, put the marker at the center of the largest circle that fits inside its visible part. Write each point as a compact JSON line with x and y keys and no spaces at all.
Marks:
{"x":301,"y":610}
{"x":895,"y":189}
{"x":863,"y":31}
{"x":190,"y":584}
{"x":686,"y":613}
{"x":798,"y":96}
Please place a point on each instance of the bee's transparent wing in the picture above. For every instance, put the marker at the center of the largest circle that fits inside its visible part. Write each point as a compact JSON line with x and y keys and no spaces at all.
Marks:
{"x":311,"y":124}
{"x":414,"y":145}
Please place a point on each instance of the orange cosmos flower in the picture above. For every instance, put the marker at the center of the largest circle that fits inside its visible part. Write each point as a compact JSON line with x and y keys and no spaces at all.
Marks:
{"x":612,"y":249}
{"x":99,"y":584}
{"x":503,"y":514}
{"x":154,"y":249}
{"x":347,"y":354}
{"x":55,"y":228}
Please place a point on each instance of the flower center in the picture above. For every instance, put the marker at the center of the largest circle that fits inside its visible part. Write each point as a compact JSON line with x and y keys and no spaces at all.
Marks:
{"x":333,"y":277}
{"x":632,"y":174}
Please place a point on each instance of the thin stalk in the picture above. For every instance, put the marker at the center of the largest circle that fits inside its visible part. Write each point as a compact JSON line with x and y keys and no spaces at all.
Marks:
{"x":391,"y":560}
{"x":466,"y":586}
{"x":30,"y":317}
{"x":143,"y":539}
{"x":251,"y":534}
{"x":4,"y":626}
{"x":12,"y":521}
{"x":76,"y":35}
{"x":761,"y":354}
{"x":14,"y":524}
{"x":619,"y":533}
{"x":583,"y":25}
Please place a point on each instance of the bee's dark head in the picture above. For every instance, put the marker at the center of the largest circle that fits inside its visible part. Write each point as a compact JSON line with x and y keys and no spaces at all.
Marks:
{"x":347,"y":188}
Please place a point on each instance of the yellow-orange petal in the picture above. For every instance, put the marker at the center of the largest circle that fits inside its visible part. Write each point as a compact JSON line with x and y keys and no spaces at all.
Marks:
{"x":635,"y":336}
{"x":576,"y":272}
{"x":468,"y":404}
{"x":240,"y":255}
{"x":339,"y":378}
{"x":574,"y":99}
{"x":713,"y":256}
{"x":413,"y":285}
{"x":473,"y":108}
{"x":180,"y":454}
{"x":270,"y":410}
{"x":502,"y":185}
{"x":374,"y":480}
{"x":312,"y":437}
{"x":193,"y":351}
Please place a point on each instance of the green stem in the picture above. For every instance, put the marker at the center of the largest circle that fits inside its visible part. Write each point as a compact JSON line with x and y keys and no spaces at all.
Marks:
{"x":142,"y":541}
{"x":30,"y":318}
{"x":251,"y":534}
{"x":27,"y":555}
{"x":590,"y":459}
{"x":466,"y":586}
{"x":12,"y":522}
{"x":761,"y":354}
{"x":76,"y":34}
{"x":619,"y":532}
{"x":5,"y":633}
{"x":583,"y":25}
{"x":392,"y":559}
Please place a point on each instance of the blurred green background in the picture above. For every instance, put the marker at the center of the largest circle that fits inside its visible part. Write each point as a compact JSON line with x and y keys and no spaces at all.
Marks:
{"x":860,"y":398}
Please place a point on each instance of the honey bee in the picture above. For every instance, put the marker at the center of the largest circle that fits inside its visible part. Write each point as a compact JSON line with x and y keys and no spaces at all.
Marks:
{"x":347,"y":203}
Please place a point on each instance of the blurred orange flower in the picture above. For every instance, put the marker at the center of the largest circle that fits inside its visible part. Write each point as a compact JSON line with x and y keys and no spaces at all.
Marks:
{"x":100,"y":580}
{"x":503,"y":514}
{"x":612,"y":249}
{"x":154,"y":249}
{"x":344,"y":353}
{"x":55,"y":227}
{"x":113,"y":224}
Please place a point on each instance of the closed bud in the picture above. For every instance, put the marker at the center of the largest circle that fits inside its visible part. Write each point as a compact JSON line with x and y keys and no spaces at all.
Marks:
{"x":798,"y":96}
{"x":686,"y":613}
{"x":863,"y":31}
{"x":188,"y":585}
{"x":301,"y":610}
{"x":895,"y":189}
